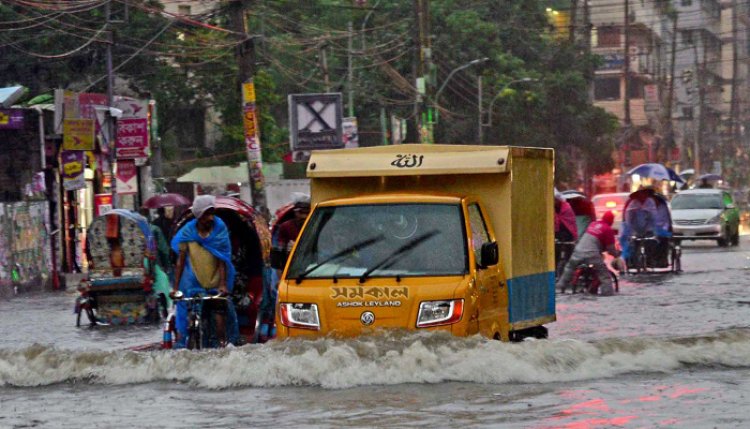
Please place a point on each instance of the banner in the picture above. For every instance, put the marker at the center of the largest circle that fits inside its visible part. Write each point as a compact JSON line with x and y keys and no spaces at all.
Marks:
{"x":78,"y":134}
{"x":126,"y":177}
{"x":73,"y":163}
{"x":132,"y":139}
{"x":11,"y":119}
{"x":102,"y":204}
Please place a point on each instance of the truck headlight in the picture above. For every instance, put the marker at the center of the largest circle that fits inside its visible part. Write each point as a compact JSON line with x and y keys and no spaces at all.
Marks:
{"x":714,"y":220}
{"x":436,"y":313}
{"x":297,"y":315}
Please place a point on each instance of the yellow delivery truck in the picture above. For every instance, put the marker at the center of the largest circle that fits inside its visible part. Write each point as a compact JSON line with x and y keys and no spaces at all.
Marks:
{"x":424,"y":237}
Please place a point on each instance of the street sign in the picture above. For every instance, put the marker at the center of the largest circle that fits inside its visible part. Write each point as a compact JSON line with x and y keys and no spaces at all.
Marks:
{"x":315,"y":121}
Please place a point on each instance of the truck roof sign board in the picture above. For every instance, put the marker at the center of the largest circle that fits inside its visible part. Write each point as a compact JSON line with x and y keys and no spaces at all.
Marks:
{"x":315,"y":121}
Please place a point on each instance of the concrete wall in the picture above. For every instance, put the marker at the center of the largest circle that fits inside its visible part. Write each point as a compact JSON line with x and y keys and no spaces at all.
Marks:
{"x":25,"y":249}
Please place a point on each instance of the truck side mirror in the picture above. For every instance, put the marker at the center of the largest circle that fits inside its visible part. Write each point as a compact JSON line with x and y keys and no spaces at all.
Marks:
{"x":490,"y":255}
{"x":278,"y":258}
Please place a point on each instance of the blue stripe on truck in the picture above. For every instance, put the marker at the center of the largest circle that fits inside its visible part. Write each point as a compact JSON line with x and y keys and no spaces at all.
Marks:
{"x":531,"y":297}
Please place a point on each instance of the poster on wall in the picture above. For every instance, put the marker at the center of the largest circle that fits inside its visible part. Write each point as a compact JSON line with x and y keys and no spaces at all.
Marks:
{"x":72,"y":169}
{"x":126,"y":177}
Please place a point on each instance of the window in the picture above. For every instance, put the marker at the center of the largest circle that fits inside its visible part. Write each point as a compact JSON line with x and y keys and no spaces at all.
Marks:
{"x":636,"y":88}
{"x":183,"y":9}
{"x":686,"y":2}
{"x":607,"y":88}
{"x":608,"y":36}
{"x":479,"y":234}
{"x":687,"y":112}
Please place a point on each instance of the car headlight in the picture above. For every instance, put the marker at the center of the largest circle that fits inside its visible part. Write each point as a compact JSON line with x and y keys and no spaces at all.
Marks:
{"x":436,"y":313}
{"x":299,"y":315}
{"x":714,"y":220}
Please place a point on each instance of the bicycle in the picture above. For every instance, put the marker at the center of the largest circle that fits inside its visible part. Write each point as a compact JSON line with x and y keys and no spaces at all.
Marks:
{"x":586,"y":279}
{"x":201,"y":332}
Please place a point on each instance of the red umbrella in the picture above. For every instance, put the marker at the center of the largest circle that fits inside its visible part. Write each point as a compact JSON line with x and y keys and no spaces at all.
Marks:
{"x":163,"y":200}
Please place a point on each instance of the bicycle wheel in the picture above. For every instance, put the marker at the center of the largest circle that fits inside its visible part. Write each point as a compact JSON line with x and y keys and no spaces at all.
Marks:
{"x":615,"y":281}
{"x":194,"y":334}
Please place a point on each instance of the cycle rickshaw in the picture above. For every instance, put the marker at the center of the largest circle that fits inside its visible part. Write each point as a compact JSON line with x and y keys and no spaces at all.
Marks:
{"x":251,"y":244}
{"x":124,"y":285}
{"x":646,"y":234}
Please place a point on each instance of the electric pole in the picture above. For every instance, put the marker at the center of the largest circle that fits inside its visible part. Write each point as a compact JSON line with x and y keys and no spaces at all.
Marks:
{"x":670,"y":92}
{"x":734,"y":107}
{"x":480,"y":134}
{"x":245,"y":53}
{"x":627,"y":63}
{"x":111,"y":135}
{"x":572,"y":25}
{"x":350,"y":71}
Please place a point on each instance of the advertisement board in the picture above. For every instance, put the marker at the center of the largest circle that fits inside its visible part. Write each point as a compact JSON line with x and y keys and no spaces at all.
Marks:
{"x":73,"y":163}
{"x":126,"y":177}
{"x":132,"y":138}
{"x":78,"y":134}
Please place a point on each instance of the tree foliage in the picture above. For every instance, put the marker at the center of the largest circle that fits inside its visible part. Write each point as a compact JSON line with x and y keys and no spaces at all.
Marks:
{"x":191,"y":69}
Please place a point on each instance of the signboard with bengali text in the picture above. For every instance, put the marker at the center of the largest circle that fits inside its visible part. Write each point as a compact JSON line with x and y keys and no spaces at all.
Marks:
{"x":132,"y":139}
{"x":78,"y":134}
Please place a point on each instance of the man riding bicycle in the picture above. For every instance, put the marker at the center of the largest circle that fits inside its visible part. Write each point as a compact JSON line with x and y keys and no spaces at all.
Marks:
{"x":598,"y":238}
{"x":204,"y":266}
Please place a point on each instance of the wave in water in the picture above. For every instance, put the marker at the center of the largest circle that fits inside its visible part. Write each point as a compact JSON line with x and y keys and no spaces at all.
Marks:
{"x":387,"y":359}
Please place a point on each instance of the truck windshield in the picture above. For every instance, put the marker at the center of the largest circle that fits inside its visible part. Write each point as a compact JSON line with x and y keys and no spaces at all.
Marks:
{"x":382,"y":240}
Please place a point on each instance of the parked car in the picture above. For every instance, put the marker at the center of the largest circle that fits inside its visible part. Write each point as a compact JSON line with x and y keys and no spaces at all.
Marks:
{"x":614,"y":202}
{"x":706,"y":214}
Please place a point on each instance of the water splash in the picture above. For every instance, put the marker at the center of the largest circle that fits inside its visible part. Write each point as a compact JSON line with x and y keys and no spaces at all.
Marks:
{"x":394,"y":358}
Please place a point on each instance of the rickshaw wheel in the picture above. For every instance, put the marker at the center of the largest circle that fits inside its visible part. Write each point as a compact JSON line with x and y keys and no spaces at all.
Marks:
{"x":89,"y":314}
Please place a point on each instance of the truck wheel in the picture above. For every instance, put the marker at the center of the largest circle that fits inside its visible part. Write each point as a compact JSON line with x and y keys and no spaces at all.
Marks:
{"x":538,"y":332}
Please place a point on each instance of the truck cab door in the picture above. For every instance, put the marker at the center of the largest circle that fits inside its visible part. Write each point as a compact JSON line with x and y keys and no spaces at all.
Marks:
{"x":486,"y":268}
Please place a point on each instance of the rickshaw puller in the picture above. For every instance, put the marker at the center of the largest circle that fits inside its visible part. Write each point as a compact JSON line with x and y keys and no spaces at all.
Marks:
{"x":598,"y":238}
{"x":204,"y":266}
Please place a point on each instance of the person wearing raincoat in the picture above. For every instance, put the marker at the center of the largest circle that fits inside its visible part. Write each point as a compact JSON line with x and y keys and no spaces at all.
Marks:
{"x":204,"y":267}
{"x":598,"y":238}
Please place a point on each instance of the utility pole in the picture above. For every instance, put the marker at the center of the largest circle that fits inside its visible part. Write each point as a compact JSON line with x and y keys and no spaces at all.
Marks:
{"x":627,"y":63}
{"x":587,"y":42}
{"x":422,"y":68}
{"x":734,"y":107}
{"x":700,"y":68}
{"x":246,"y":60}
{"x":480,"y":134}
{"x":670,"y":92}
{"x":350,"y":71}
{"x":324,"y":66}
{"x":572,"y":25}
{"x":111,"y":135}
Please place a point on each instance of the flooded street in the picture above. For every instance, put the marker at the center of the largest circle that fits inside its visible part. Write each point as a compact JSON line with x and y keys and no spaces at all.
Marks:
{"x":668,"y":351}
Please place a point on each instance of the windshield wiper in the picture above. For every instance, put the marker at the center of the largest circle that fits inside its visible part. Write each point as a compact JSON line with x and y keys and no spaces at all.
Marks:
{"x":390,"y":260}
{"x":355,"y":247}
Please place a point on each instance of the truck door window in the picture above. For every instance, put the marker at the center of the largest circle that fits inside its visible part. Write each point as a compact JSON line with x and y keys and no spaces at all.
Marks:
{"x":479,"y":233}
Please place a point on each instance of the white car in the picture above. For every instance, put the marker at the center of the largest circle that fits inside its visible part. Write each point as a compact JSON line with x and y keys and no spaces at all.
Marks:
{"x":706,"y":214}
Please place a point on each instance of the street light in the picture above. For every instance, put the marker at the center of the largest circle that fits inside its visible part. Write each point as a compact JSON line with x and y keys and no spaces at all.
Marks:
{"x":456,"y":70}
{"x":492,"y":103}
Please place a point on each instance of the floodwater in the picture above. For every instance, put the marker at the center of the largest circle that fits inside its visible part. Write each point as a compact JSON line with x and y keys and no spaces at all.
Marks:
{"x":668,"y":351}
